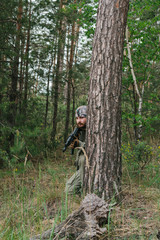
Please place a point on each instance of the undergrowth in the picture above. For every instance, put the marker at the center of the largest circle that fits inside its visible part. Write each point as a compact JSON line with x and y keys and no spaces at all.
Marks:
{"x":32,"y":198}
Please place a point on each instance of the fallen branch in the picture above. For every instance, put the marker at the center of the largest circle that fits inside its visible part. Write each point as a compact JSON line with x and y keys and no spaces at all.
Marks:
{"x":88,"y":222}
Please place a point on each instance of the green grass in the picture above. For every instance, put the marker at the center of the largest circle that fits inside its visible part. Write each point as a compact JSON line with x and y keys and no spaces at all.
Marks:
{"x":32,"y":200}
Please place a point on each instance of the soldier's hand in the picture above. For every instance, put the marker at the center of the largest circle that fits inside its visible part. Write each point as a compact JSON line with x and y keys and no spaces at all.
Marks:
{"x":74,"y":144}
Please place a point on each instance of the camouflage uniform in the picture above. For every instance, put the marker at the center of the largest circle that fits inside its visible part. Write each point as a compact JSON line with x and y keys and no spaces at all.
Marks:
{"x":74,"y":184}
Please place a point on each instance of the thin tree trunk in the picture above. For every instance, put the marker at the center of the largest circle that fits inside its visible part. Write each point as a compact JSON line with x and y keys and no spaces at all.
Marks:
{"x":135,"y":113}
{"x":47,"y":94}
{"x":36,"y":80}
{"x":69,"y":82}
{"x":27,"y":63}
{"x":58,"y":76}
{"x":103,"y":140}
{"x":53,"y":70}
{"x":73,"y":80}
{"x":138,"y":134}
{"x":135,"y":85}
{"x":14,"y":77}
{"x":73,"y":101}
{"x":67,"y":64}
{"x":21,"y":80}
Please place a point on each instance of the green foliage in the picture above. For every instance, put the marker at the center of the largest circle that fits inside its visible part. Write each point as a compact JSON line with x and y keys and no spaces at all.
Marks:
{"x":143,"y":26}
{"x":37,"y":141}
{"x":87,"y":18}
{"x":140,"y":154}
{"x":29,"y":138}
{"x":4,"y":158}
{"x":143,"y":153}
{"x":18,"y":150}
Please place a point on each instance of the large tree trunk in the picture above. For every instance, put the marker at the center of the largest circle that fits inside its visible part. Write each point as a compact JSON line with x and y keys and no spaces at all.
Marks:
{"x":104,"y":105}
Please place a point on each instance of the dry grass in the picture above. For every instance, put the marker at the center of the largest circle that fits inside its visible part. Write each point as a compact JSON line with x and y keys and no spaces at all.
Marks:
{"x":138,"y":215}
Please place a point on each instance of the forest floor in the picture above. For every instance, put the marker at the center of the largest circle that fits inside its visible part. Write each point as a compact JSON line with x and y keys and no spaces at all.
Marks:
{"x":32,"y":200}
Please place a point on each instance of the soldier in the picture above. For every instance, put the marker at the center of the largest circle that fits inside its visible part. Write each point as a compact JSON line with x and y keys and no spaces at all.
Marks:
{"x":75,"y":183}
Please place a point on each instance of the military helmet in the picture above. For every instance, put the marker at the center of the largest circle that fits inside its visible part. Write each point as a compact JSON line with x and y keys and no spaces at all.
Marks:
{"x":81,"y":111}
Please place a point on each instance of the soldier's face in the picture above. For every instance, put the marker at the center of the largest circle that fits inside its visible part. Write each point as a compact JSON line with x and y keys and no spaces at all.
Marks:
{"x":81,"y":122}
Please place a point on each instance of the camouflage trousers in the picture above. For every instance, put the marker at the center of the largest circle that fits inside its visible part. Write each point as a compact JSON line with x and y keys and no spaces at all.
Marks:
{"x":75,"y":183}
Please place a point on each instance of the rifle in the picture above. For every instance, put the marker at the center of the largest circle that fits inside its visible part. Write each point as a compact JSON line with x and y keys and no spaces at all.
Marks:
{"x":70,"y":139}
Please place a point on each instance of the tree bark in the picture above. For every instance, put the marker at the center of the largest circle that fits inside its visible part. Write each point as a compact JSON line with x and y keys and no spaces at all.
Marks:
{"x":103,"y":140}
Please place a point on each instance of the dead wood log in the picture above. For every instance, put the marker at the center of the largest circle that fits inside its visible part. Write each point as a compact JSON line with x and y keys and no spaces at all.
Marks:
{"x":88,"y":222}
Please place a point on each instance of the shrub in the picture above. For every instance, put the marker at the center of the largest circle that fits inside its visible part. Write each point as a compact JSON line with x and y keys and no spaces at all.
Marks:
{"x":139,"y":154}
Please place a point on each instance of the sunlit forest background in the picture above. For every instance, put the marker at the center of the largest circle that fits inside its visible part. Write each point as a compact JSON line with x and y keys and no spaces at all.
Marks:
{"x":45,"y":58}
